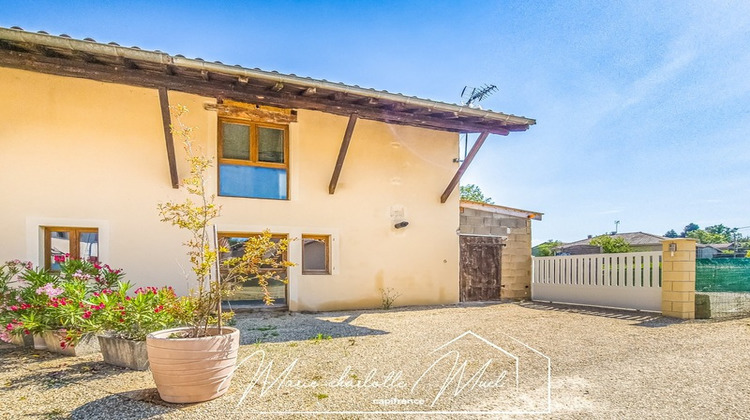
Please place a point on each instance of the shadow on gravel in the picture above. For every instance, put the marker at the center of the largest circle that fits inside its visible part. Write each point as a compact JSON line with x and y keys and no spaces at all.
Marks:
{"x":299,"y":327}
{"x":134,"y":405}
{"x":280,"y":327}
{"x":39,"y":368}
{"x":642,"y":319}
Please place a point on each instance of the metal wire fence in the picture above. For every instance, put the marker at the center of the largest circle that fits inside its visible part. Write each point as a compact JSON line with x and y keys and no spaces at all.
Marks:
{"x":722,"y":287}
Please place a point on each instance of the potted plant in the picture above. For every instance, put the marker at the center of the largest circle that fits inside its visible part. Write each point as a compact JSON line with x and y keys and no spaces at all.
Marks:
{"x":36,"y":288}
{"x":9,"y":303}
{"x":195,"y":363}
{"x":127,"y":319}
{"x":62,"y":308}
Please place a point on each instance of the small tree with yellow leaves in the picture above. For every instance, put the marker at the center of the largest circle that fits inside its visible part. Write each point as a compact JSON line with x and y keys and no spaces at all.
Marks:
{"x":196,"y":217}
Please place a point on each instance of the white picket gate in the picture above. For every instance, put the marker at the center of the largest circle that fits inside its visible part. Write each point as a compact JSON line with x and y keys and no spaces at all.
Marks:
{"x":628,"y":280}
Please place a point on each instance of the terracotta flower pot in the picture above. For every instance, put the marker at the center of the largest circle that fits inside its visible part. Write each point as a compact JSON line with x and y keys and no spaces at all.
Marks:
{"x":189,"y":370}
{"x":121,"y":352}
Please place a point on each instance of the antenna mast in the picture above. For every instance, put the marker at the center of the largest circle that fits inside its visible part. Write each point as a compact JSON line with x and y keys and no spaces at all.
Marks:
{"x":471,"y":96}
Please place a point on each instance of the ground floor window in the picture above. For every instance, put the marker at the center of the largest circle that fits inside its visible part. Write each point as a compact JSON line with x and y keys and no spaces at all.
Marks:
{"x":75,"y":242}
{"x":316,"y":254}
{"x":250,"y":292}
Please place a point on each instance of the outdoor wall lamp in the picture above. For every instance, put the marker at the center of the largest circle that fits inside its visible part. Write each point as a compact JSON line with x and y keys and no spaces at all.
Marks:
{"x":672,"y":248}
{"x":401,"y":225}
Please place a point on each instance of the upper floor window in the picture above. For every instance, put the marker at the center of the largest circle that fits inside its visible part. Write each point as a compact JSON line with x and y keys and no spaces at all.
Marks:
{"x":253,"y":159}
{"x":78,"y":243}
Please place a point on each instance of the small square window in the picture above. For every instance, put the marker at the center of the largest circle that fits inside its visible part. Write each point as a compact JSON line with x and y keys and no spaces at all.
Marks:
{"x":315,"y":254}
{"x":78,"y":243}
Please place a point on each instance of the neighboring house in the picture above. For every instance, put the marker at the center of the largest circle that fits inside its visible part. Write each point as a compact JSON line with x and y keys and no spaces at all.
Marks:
{"x":638,"y":241}
{"x":87,"y":155}
{"x":725,"y":250}
{"x":496,"y":251}
{"x":707,"y":250}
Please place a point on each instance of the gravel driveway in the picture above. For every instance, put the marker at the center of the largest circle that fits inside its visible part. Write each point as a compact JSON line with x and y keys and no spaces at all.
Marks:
{"x":462,"y":361}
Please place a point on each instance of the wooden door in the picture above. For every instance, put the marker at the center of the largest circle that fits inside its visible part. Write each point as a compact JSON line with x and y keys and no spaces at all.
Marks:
{"x":480,"y":268}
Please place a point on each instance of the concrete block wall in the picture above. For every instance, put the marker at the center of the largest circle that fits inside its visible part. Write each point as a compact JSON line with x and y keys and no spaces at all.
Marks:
{"x":515,"y":265}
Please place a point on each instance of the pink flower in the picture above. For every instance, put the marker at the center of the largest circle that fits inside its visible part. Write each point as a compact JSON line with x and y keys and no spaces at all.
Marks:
{"x":14,"y":308}
{"x":86,"y":315}
{"x":50,"y":290}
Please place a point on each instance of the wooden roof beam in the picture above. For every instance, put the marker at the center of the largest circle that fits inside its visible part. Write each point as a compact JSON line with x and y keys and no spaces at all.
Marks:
{"x":465,"y":165}
{"x":250,"y":93}
{"x":342,"y":153}
{"x":277,"y":87}
{"x":166,"y":119}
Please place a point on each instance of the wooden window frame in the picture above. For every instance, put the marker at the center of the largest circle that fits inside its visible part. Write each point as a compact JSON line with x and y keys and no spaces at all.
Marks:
{"x":327,"y":240}
{"x":74,"y":239}
{"x":254,"y":133}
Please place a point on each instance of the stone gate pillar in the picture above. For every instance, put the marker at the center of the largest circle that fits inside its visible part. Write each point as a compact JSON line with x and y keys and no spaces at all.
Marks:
{"x":678,"y":278}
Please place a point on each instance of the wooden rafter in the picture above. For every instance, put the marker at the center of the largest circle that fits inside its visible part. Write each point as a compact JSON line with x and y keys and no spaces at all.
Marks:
{"x":243,"y":89}
{"x":256,"y":114}
{"x":342,"y":153}
{"x":464,"y":165}
{"x":167,"y":121}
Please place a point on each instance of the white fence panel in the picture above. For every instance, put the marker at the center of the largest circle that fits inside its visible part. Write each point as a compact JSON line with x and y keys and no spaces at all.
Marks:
{"x":629,"y":280}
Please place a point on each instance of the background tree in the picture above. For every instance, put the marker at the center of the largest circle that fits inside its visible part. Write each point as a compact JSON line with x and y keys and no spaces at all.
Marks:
{"x":671,"y":234}
{"x":472,"y":192}
{"x":689,"y":228}
{"x":611,"y":245}
{"x":728,"y":234}
{"x":545,"y":249}
{"x":706,"y":237}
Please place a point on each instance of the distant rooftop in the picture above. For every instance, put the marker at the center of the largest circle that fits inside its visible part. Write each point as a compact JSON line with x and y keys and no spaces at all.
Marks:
{"x":632,"y":238}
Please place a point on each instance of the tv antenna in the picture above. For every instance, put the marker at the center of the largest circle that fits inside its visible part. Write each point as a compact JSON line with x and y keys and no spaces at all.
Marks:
{"x":471,"y":96}
{"x":476,"y":94}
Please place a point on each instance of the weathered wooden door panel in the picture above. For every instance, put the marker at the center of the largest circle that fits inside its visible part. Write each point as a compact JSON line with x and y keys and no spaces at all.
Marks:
{"x":480,"y":268}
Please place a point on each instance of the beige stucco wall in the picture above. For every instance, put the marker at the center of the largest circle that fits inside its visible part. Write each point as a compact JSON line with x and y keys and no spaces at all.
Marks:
{"x":81,"y":153}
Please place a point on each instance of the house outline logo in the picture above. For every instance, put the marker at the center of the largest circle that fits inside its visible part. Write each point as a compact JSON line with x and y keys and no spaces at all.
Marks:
{"x":516,"y":360}
{"x":487,"y":342}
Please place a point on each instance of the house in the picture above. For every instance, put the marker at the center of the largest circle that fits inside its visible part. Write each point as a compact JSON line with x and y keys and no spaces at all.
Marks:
{"x":724,"y":250}
{"x":495,"y":251}
{"x":365,"y":181}
{"x":638,"y":241}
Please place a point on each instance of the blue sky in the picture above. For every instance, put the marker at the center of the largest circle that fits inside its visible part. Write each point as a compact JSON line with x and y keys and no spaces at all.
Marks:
{"x":642,"y":108}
